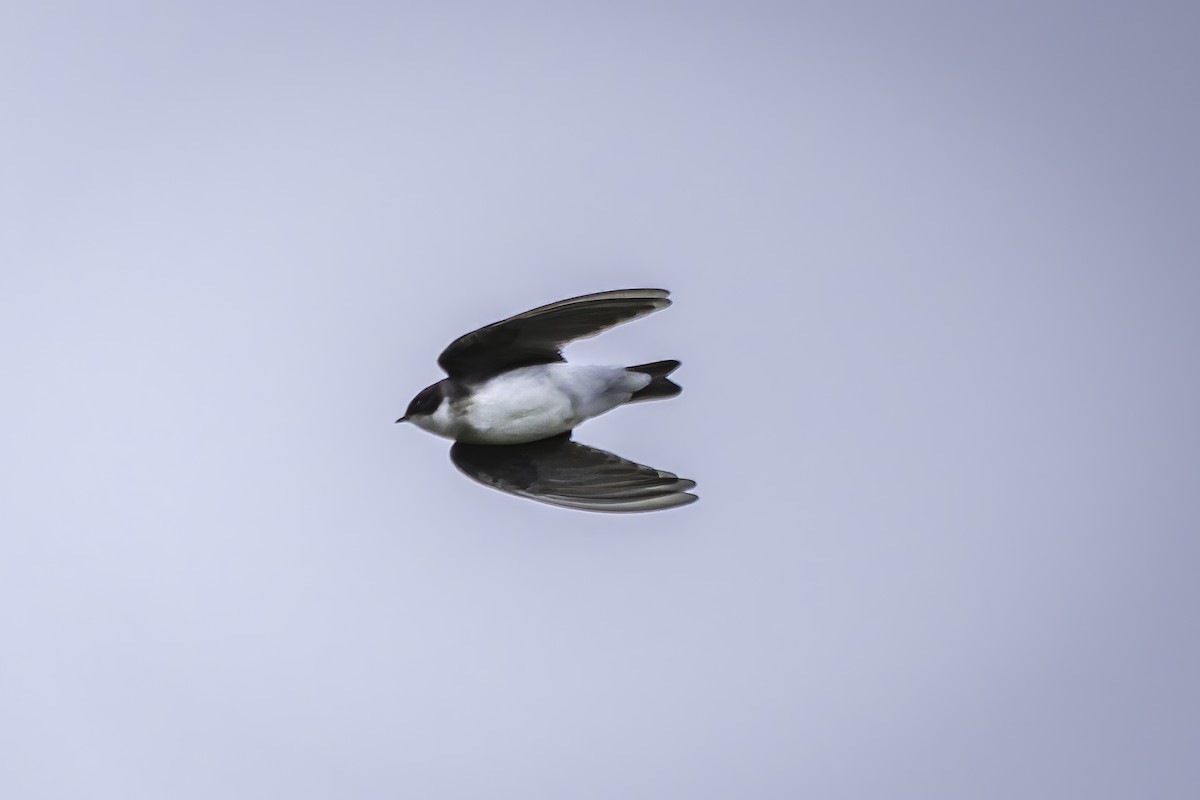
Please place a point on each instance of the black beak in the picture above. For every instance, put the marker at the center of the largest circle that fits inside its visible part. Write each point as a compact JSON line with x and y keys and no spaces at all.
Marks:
{"x":402,"y":419}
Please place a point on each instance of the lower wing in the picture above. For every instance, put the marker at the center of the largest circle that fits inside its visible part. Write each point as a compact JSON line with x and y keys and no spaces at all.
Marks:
{"x":564,"y":473}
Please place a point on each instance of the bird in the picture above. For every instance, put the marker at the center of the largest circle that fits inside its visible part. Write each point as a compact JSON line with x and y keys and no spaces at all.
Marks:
{"x":511,"y":403}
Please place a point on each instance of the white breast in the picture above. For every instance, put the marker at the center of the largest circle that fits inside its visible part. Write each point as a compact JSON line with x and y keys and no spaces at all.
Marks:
{"x":532,"y":403}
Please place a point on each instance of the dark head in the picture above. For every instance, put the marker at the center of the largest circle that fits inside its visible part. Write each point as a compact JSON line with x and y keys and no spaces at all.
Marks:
{"x":424,"y":404}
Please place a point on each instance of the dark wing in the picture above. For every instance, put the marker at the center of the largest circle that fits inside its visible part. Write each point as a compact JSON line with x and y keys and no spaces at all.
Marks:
{"x":565,"y":473}
{"x":537,"y":336}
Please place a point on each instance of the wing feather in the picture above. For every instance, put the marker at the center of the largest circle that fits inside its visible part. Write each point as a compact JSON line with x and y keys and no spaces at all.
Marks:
{"x":572,"y":475}
{"x":537,"y":336}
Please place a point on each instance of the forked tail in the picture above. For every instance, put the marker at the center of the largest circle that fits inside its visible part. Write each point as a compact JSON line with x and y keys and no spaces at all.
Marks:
{"x":659,"y":387}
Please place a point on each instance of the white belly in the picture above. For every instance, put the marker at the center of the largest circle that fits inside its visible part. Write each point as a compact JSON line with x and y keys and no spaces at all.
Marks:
{"x":534,"y":403}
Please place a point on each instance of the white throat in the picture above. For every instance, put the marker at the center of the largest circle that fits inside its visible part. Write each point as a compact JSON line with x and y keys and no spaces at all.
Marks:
{"x":440,"y":422}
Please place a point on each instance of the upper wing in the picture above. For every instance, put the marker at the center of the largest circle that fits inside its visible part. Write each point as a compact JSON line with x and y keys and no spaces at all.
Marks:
{"x":537,"y":336}
{"x":564,"y":473}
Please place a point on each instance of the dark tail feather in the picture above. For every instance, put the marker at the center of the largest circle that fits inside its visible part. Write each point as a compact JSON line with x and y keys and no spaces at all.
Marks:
{"x":659,"y":387}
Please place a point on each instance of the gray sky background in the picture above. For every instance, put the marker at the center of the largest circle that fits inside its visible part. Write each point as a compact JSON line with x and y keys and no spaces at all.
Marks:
{"x":935,"y":272}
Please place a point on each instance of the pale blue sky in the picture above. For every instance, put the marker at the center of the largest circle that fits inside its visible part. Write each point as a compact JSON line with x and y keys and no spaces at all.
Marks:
{"x":935,"y":273}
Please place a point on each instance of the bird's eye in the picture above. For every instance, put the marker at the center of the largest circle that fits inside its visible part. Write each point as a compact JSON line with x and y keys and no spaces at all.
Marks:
{"x":426,"y":402}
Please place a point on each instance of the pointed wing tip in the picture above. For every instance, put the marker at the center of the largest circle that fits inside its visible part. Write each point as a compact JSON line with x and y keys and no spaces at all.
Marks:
{"x":661,"y":503}
{"x":680,"y":498}
{"x":654,"y":294}
{"x":634,"y":505}
{"x":625,"y":294}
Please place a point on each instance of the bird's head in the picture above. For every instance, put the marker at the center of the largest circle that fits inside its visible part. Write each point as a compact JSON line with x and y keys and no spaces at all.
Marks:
{"x":424,"y":406}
